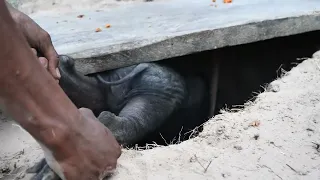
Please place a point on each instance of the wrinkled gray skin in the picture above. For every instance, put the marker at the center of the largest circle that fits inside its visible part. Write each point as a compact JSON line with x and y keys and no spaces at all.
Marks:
{"x":133,"y":102}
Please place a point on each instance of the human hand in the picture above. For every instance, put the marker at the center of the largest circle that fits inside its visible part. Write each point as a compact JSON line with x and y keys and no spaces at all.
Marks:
{"x":43,"y":61}
{"x":92,"y":155}
{"x":37,"y":38}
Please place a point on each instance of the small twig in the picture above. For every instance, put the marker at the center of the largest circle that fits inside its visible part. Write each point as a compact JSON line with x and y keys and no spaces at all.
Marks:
{"x":279,"y":70}
{"x":196,"y":158}
{"x":207,"y":166}
{"x":142,"y":148}
{"x":298,"y":172}
{"x":164,"y":139}
{"x":275,"y":144}
{"x":264,"y":87}
{"x":178,"y":141}
{"x":292,"y":168}
{"x":179,"y":138}
{"x":264,"y":166}
{"x":240,"y":106}
{"x":204,"y":168}
{"x":192,"y":132}
{"x":302,"y":59}
{"x":239,"y":168}
{"x":309,"y":129}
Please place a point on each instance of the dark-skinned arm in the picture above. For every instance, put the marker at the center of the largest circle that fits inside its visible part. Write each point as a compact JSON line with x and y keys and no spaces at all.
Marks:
{"x":37,"y":38}
{"x":30,"y":95}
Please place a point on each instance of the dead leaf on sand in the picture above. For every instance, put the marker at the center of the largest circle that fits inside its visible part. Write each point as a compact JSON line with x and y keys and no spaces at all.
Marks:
{"x":255,"y":123}
{"x":80,"y":16}
{"x":98,"y":30}
{"x":227,"y":1}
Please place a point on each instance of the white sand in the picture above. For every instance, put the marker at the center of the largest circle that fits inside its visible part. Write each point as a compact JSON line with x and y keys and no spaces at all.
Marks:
{"x":290,"y":122}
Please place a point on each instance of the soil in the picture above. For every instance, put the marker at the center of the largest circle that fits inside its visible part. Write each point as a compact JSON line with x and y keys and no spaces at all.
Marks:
{"x":277,"y":136}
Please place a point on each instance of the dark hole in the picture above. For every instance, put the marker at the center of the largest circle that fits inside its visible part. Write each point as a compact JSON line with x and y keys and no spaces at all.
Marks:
{"x":244,"y":69}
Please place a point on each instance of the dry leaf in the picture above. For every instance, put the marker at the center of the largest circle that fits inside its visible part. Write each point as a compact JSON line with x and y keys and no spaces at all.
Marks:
{"x":98,"y":30}
{"x":108,"y":26}
{"x":80,"y":16}
{"x":255,"y":123}
{"x":213,"y":0}
{"x":227,"y":1}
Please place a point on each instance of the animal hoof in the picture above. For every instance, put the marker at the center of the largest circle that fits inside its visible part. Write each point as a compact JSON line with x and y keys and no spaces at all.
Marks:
{"x":37,"y":167}
{"x":66,"y":61}
{"x":42,"y":171}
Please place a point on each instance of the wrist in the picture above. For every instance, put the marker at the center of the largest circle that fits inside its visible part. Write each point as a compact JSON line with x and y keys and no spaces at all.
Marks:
{"x":64,"y":137}
{"x":60,"y":138}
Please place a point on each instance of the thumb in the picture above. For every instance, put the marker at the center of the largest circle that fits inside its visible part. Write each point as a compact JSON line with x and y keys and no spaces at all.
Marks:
{"x":87,"y":113}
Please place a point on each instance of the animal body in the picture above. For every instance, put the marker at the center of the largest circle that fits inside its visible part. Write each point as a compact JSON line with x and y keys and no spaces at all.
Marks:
{"x":139,"y":104}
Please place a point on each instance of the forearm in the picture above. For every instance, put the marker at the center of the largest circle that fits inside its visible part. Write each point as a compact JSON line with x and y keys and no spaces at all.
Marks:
{"x":12,"y":10}
{"x":28,"y":92}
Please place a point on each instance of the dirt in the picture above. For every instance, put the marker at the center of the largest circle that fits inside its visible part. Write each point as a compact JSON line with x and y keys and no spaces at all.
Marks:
{"x":277,"y":136}
{"x":18,"y":149}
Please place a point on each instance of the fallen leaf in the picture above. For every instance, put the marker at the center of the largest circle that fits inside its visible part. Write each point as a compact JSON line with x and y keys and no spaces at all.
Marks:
{"x":108,"y":25}
{"x":98,"y":30}
{"x":213,"y":0}
{"x":80,"y":16}
{"x":227,"y":1}
{"x":255,"y":123}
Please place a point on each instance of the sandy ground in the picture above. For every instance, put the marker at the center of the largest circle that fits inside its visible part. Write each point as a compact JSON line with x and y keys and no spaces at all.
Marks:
{"x":281,"y":146}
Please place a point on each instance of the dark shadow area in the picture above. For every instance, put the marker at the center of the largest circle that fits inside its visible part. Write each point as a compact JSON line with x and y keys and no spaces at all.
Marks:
{"x":244,"y":69}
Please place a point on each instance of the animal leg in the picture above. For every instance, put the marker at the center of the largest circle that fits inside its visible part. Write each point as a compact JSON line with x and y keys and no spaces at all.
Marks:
{"x":140,"y":116}
{"x":192,"y":113}
{"x":42,"y":171}
{"x":83,"y":91}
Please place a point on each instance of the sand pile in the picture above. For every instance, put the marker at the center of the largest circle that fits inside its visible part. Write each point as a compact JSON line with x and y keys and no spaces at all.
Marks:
{"x":235,"y":145}
{"x":273,"y":137}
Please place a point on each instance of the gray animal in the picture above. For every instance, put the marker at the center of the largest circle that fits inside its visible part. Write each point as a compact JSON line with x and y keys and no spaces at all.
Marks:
{"x":139,"y":103}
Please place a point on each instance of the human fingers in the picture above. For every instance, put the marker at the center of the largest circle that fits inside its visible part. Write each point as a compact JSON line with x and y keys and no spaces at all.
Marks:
{"x":48,"y":51}
{"x":44,"y":62}
{"x":34,"y":51}
{"x":87,"y":113}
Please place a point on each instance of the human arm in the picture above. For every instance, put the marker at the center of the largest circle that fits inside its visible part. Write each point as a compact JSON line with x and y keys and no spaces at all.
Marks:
{"x":37,"y":38}
{"x":34,"y":99}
